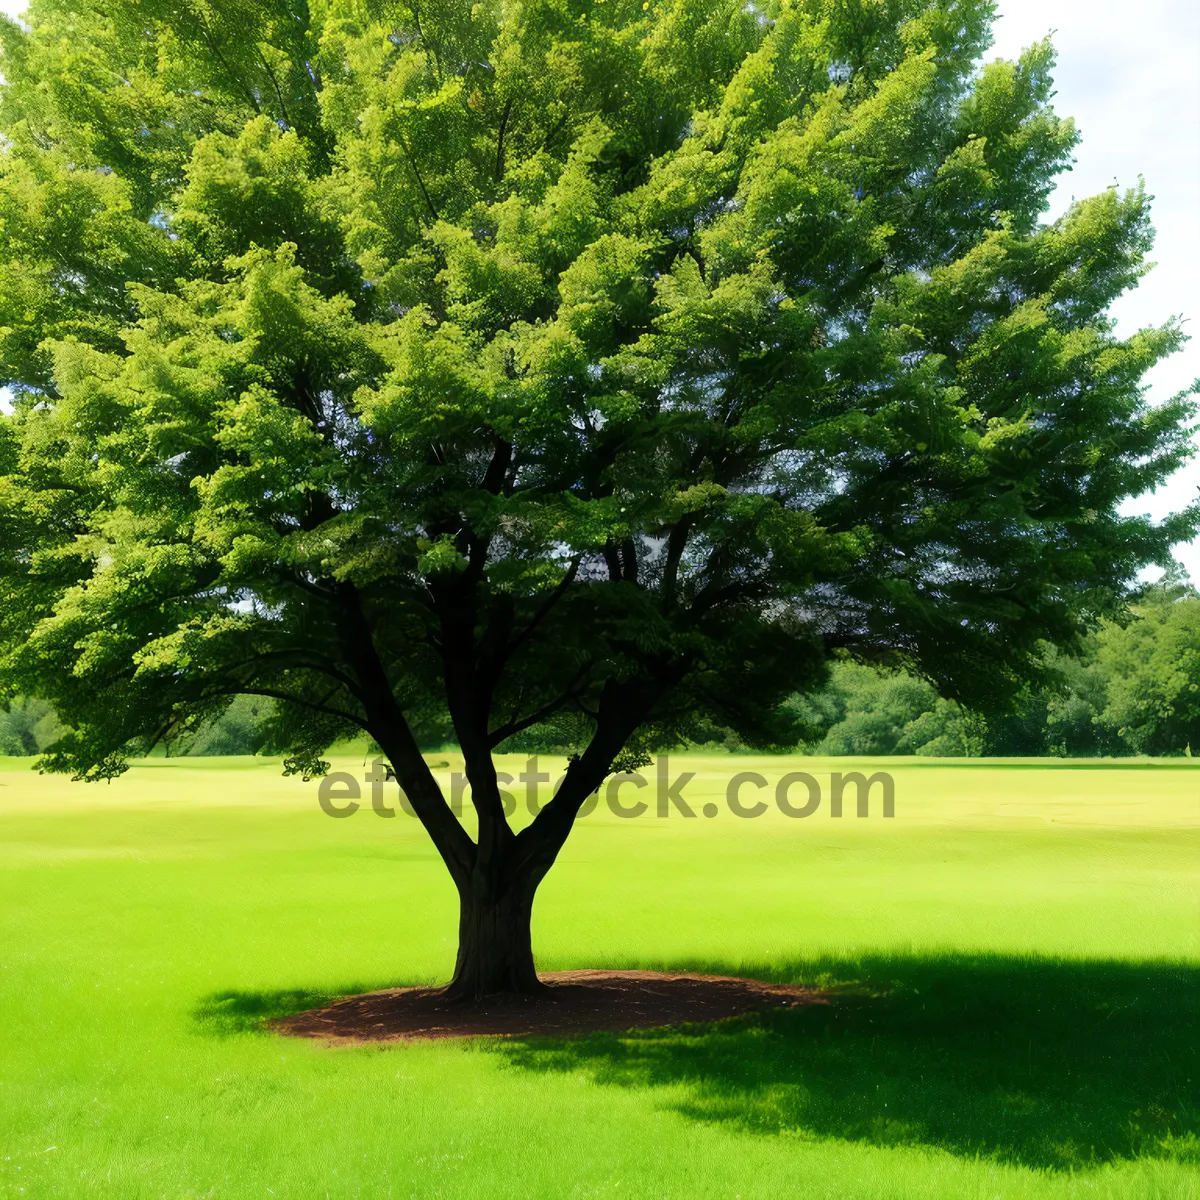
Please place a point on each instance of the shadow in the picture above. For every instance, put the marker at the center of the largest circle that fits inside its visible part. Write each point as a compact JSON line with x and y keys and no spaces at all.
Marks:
{"x":233,"y":1013}
{"x":1043,"y":1063}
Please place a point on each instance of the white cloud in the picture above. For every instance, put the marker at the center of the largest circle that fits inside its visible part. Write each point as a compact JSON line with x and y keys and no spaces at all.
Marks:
{"x":1127,"y":73}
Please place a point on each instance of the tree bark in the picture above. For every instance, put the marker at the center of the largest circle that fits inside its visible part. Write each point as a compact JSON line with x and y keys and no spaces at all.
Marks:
{"x":495,"y":947}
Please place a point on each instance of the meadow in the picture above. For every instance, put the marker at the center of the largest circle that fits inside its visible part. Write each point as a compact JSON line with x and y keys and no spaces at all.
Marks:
{"x":1012,"y":964}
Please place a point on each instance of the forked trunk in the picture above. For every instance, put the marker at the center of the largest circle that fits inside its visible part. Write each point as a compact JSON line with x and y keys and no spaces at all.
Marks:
{"x":498,"y":875}
{"x":495,"y":947}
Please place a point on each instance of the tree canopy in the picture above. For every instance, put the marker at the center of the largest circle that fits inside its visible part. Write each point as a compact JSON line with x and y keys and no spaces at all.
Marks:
{"x":618,"y":359}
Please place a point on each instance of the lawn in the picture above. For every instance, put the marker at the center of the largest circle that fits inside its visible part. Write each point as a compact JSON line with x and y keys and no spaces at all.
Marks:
{"x":1013,"y":962}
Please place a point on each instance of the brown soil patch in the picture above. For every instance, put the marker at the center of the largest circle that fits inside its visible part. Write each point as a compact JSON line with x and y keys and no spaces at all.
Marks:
{"x":576,"y":1002}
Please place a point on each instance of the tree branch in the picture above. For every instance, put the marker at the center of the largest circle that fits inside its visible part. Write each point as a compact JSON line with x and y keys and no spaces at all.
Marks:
{"x":676,"y":544}
{"x":412,"y":162}
{"x":391,"y":730}
{"x":262,"y":58}
{"x":500,"y":140}
{"x":623,"y":707}
{"x":543,"y":611}
{"x":496,"y":736}
{"x":275,"y":694}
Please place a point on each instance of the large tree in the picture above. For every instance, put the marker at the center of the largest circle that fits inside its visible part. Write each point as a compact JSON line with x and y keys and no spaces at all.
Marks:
{"x":608,"y":362}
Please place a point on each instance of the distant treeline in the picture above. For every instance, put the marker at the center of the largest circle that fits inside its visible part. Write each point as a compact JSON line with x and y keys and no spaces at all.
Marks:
{"x":1134,"y":689}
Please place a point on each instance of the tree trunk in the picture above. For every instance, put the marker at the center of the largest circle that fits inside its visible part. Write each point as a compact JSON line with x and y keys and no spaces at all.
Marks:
{"x":495,"y":948}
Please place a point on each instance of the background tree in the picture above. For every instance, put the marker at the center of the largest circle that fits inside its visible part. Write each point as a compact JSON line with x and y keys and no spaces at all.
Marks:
{"x":499,"y":361}
{"x":242,"y":728}
{"x":872,"y":711}
{"x":1152,"y":666}
{"x":28,"y":726}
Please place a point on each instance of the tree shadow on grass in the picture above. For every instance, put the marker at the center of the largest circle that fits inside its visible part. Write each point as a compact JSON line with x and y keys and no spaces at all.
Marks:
{"x":233,"y":1013}
{"x":1050,"y":1064}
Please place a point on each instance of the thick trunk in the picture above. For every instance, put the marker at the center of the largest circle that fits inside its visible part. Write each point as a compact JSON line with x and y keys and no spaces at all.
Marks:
{"x":495,"y":948}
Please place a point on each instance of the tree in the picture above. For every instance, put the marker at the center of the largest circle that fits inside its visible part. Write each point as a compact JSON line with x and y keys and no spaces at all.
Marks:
{"x":503,"y":361}
{"x":867,"y":710}
{"x":28,"y":726}
{"x":1152,"y":665}
{"x":242,"y":728}
{"x":1069,"y":711}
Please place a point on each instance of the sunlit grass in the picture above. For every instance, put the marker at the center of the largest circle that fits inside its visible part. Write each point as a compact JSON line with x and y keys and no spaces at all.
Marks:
{"x":1014,"y":955}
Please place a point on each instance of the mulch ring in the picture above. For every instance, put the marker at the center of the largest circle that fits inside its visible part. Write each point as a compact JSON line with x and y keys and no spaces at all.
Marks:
{"x":577,"y":1002}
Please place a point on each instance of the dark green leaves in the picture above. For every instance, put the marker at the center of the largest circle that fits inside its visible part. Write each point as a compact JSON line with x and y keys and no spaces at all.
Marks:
{"x":594,"y":363}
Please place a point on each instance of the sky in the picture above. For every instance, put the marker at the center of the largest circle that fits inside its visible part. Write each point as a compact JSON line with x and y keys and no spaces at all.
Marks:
{"x":1127,"y":72}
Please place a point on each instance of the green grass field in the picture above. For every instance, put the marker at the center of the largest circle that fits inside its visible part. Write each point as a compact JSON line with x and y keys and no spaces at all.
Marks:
{"x":1015,"y":961}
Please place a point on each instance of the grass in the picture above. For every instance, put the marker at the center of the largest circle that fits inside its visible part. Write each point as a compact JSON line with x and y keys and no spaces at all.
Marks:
{"x":1014,"y":960}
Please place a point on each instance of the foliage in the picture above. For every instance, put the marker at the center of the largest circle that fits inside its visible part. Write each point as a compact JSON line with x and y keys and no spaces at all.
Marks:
{"x":866,"y":711}
{"x":28,"y":726}
{"x":1072,"y":708}
{"x":1131,"y":688}
{"x":1153,"y":671}
{"x":493,"y":362}
{"x":1086,"y":708}
{"x":240,"y":729}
